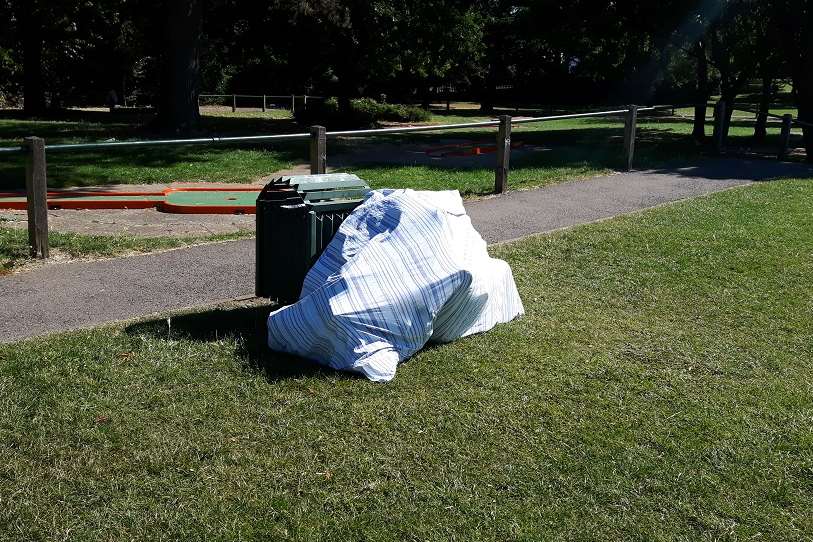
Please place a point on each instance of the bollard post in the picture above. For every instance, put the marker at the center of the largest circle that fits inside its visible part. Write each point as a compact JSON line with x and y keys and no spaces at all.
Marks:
{"x":233,"y":103}
{"x":36,"y":187}
{"x":305,"y":100}
{"x":719,"y":127}
{"x":503,"y":155}
{"x":784,"y":137}
{"x":263,"y":103}
{"x":630,"y":122}
{"x":293,"y":103}
{"x":318,"y":150}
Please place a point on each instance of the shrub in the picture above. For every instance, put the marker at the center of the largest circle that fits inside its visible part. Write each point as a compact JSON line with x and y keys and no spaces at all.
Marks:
{"x":363,"y":112}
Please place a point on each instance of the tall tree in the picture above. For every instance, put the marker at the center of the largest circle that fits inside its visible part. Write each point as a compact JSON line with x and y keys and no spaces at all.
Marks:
{"x":733,"y":37}
{"x":30,"y":21}
{"x":180,"y":66}
{"x":795,"y":20}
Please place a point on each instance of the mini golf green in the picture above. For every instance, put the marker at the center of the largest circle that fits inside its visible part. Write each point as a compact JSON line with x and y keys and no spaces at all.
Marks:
{"x":205,"y":202}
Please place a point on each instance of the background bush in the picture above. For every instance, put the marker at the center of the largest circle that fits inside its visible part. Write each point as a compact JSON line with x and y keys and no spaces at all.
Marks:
{"x":361,"y":113}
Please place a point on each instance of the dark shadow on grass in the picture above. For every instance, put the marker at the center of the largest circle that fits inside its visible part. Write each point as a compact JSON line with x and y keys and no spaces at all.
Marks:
{"x":66,"y":169}
{"x":127,"y":124}
{"x":84,"y":168}
{"x":579,"y":148}
{"x":245,"y":324}
{"x":746,"y":169}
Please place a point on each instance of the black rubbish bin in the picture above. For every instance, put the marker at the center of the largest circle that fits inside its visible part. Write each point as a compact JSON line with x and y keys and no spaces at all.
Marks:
{"x":297,"y":217}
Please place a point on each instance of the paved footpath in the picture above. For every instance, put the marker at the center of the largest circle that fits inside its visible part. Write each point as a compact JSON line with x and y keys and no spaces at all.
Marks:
{"x":84,"y":294}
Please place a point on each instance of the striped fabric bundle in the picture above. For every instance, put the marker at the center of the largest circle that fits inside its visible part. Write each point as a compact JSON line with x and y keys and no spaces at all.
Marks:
{"x":404,"y":268}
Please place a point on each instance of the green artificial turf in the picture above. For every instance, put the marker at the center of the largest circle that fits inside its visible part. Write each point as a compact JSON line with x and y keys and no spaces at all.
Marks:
{"x":660,"y":387}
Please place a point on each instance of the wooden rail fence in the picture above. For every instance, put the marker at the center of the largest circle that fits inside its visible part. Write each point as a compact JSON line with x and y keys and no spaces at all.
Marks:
{"x":35,"y":149}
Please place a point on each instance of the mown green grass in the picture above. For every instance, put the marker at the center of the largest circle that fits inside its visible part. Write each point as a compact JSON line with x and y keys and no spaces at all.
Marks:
{"x":14,"y":249}
{"x":660,"y":387}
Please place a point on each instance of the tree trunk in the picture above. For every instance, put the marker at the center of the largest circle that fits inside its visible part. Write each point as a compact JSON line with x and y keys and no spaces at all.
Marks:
{"x":803,"y":83}
{"x":729,"y":96}
{"x":487,"y":95}
{"x":701,"y":91}
{"x":32,"y":42}
{"x":797,"y":42}
{"x":760,"y":129}
{"x":178,"y":100}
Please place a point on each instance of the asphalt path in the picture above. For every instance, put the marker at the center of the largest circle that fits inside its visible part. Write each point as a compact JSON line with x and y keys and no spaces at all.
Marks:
{"x":84,"y":294}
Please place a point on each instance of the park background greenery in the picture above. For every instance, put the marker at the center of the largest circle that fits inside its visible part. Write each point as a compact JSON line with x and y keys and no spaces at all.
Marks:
{"x":162,"y":54}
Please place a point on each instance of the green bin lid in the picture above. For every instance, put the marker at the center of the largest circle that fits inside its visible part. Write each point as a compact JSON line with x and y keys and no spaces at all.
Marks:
{"x":329,"y":186}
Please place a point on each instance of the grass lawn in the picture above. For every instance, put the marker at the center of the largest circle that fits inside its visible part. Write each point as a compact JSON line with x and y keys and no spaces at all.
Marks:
{"x":574,"y":149}
{"x":660,"y":387}
{"x":150,"y":164}
{"x":14,"y":244}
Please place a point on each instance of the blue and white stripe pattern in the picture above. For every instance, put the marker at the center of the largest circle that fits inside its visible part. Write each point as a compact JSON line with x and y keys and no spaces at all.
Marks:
{"x":404,"y":268}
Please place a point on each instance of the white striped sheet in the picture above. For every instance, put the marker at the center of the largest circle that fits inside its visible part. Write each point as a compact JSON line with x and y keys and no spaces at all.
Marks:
{"x":405,"y":267}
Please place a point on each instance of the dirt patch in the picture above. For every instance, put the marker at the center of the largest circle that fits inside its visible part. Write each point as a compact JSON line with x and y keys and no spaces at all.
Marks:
{"x":135,"y":222}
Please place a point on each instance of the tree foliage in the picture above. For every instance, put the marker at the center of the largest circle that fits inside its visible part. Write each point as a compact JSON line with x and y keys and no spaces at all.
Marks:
{"x":163,"y":52}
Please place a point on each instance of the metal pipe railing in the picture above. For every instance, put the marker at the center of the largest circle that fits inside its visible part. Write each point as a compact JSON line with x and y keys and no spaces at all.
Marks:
{"x":299,"y":136}
{"x":258,"y":96}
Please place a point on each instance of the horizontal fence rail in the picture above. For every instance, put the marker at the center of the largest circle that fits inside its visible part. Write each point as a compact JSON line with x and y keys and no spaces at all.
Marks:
{"x":260,"y":96}
{"x":264,"y":97}
{"x":299,"y":136}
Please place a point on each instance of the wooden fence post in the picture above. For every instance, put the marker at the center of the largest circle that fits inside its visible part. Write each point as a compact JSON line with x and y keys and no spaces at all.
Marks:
{"x":784,"y":137}
{"x":318,"y":150}
{"x":503,"y":155}
{"x":719,"y":127}
{"x":233,"y":103}
{"x":263,"y":103}
{"x":630,"y":122}
{"x":36,"y":187}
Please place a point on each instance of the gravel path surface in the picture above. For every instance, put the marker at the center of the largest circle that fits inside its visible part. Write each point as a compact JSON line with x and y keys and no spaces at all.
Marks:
{"x":84,"y":294}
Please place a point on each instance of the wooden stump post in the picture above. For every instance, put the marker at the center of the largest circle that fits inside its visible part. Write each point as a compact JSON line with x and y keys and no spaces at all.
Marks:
{"x":318,"y":150}
{"x":233,"y":103}
{"x":784,"y":137}
{"x":36,"y":187}
{"x":503,"y":155}
{"x":630,"y":122}
{"x":719,"y":127}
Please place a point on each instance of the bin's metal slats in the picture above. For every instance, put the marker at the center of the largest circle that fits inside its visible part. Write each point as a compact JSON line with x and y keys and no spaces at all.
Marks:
{"x":354,"y":194}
